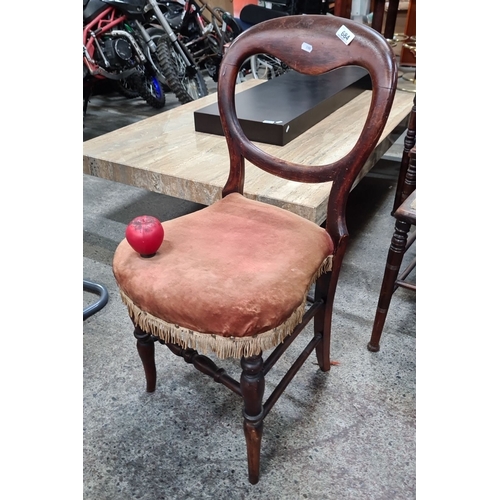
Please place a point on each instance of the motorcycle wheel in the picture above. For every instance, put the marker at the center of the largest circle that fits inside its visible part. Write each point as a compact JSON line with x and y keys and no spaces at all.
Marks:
{"x":187,"y":83}
{"x":156,"y":34}
{"x":265,"y":67}
{"x":150,"y":89}
{"x":124,"y":88}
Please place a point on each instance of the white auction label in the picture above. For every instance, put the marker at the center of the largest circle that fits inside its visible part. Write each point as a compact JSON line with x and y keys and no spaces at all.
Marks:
{"x":345,"y":35}
{"x":305,"y":46}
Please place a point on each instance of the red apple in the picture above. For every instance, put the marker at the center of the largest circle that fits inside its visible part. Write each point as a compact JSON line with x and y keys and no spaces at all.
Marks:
{"x":145,"y":235}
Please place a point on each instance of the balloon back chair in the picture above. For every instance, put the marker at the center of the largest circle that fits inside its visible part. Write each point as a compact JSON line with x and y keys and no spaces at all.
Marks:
{"x":234,"y":279}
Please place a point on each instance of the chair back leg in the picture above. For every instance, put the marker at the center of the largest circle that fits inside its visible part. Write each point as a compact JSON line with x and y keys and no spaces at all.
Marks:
{"x":323,"y":323}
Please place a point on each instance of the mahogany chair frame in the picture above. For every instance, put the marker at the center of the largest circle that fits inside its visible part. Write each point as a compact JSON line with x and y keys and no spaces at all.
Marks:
{"x":284,"y":38}
{"x":402,"y":240}
{"x":407,"y":178}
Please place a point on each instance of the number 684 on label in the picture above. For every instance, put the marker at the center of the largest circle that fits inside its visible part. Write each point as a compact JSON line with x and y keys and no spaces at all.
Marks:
{"x":345,"y":35}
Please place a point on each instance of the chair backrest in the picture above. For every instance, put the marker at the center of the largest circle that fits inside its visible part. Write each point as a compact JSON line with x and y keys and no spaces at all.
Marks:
{"x":309,"y":44}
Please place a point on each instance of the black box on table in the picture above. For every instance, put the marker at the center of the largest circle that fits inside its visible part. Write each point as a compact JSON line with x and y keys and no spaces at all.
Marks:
{"x":279,"y":110}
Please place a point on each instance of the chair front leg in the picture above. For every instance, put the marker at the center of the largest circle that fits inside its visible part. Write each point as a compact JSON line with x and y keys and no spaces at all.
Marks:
{"x":392,"y":267}
{"x":252,"y":390}
{"x":146,"y":350}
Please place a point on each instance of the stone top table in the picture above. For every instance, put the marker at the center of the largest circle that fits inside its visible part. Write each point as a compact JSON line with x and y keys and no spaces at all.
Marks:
{"x":165,"y":154}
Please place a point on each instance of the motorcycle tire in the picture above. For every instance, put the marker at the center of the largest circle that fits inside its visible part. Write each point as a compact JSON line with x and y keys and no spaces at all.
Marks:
{"x":150,"y":89}
{"x":156,"y":34}
{"x":187,"y":83}
{"x":265,"y":67}
{"x":123,"y":88}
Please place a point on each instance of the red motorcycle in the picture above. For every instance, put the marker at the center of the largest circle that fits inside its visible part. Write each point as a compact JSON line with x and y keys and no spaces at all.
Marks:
{"x":119,"y":44}
{"x":111,"y":50}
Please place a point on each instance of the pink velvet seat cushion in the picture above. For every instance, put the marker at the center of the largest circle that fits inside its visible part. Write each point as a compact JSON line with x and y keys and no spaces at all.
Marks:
{"x":234,"y":269}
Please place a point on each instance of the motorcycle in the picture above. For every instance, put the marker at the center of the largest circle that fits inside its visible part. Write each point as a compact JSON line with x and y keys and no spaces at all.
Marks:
{"x":111,"y":51}
{"x":177,"y":64}
{"x":119,"y":43}
{"x":205,"y":30}
{"x":262,"y":66}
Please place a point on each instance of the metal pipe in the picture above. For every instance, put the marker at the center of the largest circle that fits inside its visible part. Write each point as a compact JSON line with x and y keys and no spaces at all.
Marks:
{"x":90,"y":286}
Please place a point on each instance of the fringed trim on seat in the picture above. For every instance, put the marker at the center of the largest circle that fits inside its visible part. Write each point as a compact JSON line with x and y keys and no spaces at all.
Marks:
{"x":223,"y":347}
{"x":325,"y":267}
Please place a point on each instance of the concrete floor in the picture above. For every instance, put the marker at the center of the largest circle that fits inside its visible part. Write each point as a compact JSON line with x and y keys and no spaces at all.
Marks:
{"x":347,"y":434}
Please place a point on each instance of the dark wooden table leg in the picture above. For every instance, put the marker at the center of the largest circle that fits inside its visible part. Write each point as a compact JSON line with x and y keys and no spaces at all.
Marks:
{"x":392,"y":267}
{"x":146,"y":350}
{"x":342,"y":8}
{"x":378,"y":15}
{"x":252,"y":389}
{"x":390,"y":19}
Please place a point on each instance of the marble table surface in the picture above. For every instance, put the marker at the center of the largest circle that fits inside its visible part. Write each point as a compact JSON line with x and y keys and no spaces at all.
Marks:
{"x":165,"y":154}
